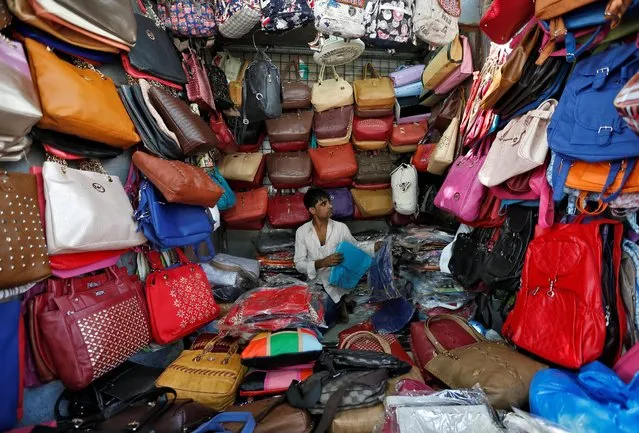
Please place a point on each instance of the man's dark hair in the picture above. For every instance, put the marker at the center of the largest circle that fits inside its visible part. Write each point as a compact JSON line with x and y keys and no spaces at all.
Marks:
{"x":314,"y":196}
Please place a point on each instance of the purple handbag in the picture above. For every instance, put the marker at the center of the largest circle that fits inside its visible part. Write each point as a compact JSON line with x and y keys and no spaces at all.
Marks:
{"x":462,"y":194}
{"x":406,"y":75}
{"x":342,"y":202}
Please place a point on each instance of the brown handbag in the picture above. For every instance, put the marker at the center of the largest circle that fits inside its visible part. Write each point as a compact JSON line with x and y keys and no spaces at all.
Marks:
{"x":193,"y":134}
{"x":177,"y":181}
{"x":289,"y":170}
{"x":250,"y":206}
{"x":444,"y":113}
{"x":77,"y":101}
{"x":333,"y":123}
{"x":288,"y":127}
{"x":546,"y":9}
{"x":375,"y":92}
{"x":273,"y":415}
{"x":373,"y":203}
{"x":502,"y":372}
{"x":373,"y":112}
{"x":235,"y":87}
{"x":295,"y":94}
{"x":23,"y":251}
{"x":334,"y":162}
{"x":241,"y":166}
{"x":373,"y":168}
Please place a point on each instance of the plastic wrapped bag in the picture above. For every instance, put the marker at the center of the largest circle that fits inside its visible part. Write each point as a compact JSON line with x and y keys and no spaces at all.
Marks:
{"x":380,"y":274}
{"x":348,"y":273}
{"x":522,"y":422}
{"x":231,"y":276}
{"x":274,"y":241}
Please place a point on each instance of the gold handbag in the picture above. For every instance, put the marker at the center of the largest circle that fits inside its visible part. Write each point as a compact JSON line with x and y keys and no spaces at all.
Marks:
{"x":375,"y":92}
{"x":362,"y":420}
{"x":241,"y":166}
{"x":373,"y":203}
{"x":331,"y":93}
{"x":442,"y":65}
{"x":207,"y":377}
{"x":235,"y":87}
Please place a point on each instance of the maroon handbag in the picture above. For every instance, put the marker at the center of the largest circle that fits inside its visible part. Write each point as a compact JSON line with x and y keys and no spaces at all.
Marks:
{"x":198,"y":87}
{"x":287,"y":211}
{"x":225,"y":139}
{"x":90,"y":332}
{"x":346,"y":182}
{"x":377,"y":129}
{"x":289,"y":146}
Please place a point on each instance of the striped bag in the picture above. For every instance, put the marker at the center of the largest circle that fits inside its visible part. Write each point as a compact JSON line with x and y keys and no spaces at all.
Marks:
{"x":627,"y":103}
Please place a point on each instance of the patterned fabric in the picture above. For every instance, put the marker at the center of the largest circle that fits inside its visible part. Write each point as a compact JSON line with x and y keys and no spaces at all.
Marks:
{"x":281,"y":343}
{"x":452,"y":7}
{"x":193,"y":18}
{"x":343,"y":19}
{"x":389,"y":21}
{"x":633,"y":251}
{"x":627,"y":103}
{"x":283,"y":15}
{"x":235,"y":18}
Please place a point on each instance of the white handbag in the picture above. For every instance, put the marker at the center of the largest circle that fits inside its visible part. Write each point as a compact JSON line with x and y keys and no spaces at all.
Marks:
{"x":518,"y":148}
{"x":331,"y":93}
{"x":444,"y":154}
{"x":86,"y":211}
{"x":340,"y":19}
{"x":404,"y":189}
{"x":435,"y":25}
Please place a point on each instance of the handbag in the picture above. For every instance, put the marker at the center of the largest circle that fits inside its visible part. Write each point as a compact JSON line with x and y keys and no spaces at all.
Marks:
{"x":504,"y":373}
{"x":287,"y":211}
{"x":86,"y":211}
{"x":220,"y":87}
{"x":20,"y":194}
{"x":209,"y":378}
{"x":235,"y":18}
{"x":406,"y":75}
{"x":443,"y":114}
{"x":331,"y":93}
{"x":405,"y":190}
{"x":435,"y":21}
{"x":289,"y":170}
{"x":456,"y":78}
{"x":389,"y":24}
{"x":373,"y":168}
{"x":346,"y":20}
{"x":469,"y":255}
{"x":63,"y":104}
{"x":342,"y":202}
{"x":198,"y":88}
{"x":626,"y":103}
{"x":413,"y":89}
{"x":179,"y":299}
{"x":283,"y":15}
{"x":504,"y":18}
{"x":421,"y":156}
{"x":72,"y":145}
{"x":373,"y":203}
{"x":289,"y":146}
{"x":336,"y":123}
{"x":444,"y":63}
{"x":225,"y":139}
{"x":262,"y":90}
{"x":250,"y":206}
{"x":241,"y":166}
{"x":290,"y":127}
{"x":518,"y":148}
{"x":367,"y":130}
{"x":254,"y":183}
{"x":334,"y":162}
{"x":444,"y":153}
{"x":374,"y":92}
{"x":295,"y":94}
{"x":188,"y":19}
{"x":235,"y":86}
{"x":177,"y":181}
{"x":90,"y":332}
{"x":407,"y":135}
{"x":274,"y":415}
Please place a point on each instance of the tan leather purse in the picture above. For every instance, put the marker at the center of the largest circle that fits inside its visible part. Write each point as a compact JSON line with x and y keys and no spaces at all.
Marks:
{"x":331,"y":93}
{"x":77,"y":101}
{"x":444,"y":154}
{"x":235,"y":87}
{"x":374,"y":92}
{"x":362,"y":420}
{"x":373,"y":203}
{"x":295,"y":126}
{"x":241,"y":166}
{"x":446,"y":60}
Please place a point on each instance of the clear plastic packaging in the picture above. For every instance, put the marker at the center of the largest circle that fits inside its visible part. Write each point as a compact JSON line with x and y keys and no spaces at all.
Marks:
{"x":275,"y":240}
{"x":523,"y":422}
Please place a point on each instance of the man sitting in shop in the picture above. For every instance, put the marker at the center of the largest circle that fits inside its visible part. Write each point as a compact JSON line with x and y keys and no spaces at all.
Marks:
{"x":315,"y":245}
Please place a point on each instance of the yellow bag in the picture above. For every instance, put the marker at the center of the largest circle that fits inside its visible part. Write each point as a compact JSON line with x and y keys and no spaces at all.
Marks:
{"x":235,"y":87}
{"x":442,"y":65}
{"x":373,"y":203}
{"x":375,"y":92}
{"x":209,"y":378}
{"x":362,"y":420}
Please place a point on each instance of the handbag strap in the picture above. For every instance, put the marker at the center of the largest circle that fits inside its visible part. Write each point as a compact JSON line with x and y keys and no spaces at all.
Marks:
{"x":464,"y":325}
{"x":295,"y":66}
{"x":369,"y":66}
{"x":582,"y":205}
{"x":242,"y":73}
{"x":361,"y":335}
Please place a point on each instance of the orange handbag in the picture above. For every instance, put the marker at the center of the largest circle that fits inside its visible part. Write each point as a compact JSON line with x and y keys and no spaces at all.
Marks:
{"x":334,"y":162}
{"x":250,"y":206}
{"x":591,"y":176}
{"x":79,"y":102}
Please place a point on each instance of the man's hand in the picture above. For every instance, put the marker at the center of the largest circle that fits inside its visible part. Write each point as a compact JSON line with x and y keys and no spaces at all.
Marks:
{"x":329,"y":261}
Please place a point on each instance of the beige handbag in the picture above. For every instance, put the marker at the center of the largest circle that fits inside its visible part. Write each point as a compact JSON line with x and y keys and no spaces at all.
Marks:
{"x":373,"y":203}
{"x":446,"y":60}
{"x":444,"y":154}
{"x":363,"y":420}
{"x":241,"y":166}
{"x":518,"y":148}
{"x":331,"y":93}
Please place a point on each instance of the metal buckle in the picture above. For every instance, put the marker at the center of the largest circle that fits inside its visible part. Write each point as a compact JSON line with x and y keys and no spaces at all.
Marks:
{"x":608,"y":128}
{"x":606,"y":70}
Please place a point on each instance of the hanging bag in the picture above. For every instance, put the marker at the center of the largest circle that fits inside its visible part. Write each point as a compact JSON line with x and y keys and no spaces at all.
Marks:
{"x":331,"y":93}
{"x":405,"y":191}
{"x":190,"y":18}
{"x":198,"y":87}
{"x":435,"y":21}
{"x":375,"y":92}
{"x":283,"y":15}
{"x":235,"y":18}
{"x":345,"y":19}
{"x":444,"y":154}
{"x":295,"y":93}
{"x":262,"y":90}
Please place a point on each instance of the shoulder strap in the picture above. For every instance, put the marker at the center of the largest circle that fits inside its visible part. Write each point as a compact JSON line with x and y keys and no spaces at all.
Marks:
{"x":431,"y":337}
{"x":363,"y":335}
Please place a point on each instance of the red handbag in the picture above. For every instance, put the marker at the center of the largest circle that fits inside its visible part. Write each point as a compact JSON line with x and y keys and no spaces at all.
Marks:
{"x":287,"y":211}
{"x":289,"y":146}
{"x":339,"y":183}
{"x":198,"y":87}
{"x":334,"y":162}
{"x":372,"y":129}
{"x":225,"y":139}
{"x":362,"y":337}
{"x":490,"y":214}
{"x":422,"y":155}
{"x":408,"y":134}
{"x":141,"y":75}
{"x":505,"y":17}
{"x":257,"y":181}
{"x":559,"y":312}
{"x":180,"y":299}
{"x":371,"y":186}
{"x":89,"y":332}
{"x":252,"y":147}
{"x":250,"y":206}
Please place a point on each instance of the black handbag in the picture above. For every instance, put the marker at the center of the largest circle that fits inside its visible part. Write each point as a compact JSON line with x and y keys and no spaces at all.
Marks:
{"x":262,"y":90}
{"x":75,"y":145}
{"x":469,"y":255}
{"x":220,"y":87}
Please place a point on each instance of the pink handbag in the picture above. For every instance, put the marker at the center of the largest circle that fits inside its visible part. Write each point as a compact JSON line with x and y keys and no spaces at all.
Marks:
{"x":628,"y":365}
{"x":461,"y":73}
{"x":198,"y":87}
{"x":462,"y":194}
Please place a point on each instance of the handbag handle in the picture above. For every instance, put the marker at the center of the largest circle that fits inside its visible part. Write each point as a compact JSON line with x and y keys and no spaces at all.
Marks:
{"x":374,"y":73}
{"x":582,"y":205}
{"x":464,"y":325}
{"x":295,"y":66}
{"x":240,"y":75}
{"x":320,"y":78}
{"x":360,"y":335}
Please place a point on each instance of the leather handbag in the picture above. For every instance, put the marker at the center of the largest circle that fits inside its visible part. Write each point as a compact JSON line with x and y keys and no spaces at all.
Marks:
{"x":193,"y":135}
{"x":273,"y":415}
{"x":504,"y":373}
{"x":444,"y":154}
{"x":86,"y":211}
{"x":518,"y":148}
{"x":331,"y":93}
{"x":289,"y":170}
{"x":374,"y":92}
{"x":290,"y":127}
{"x":289,"y":146}
{"x":325,"y":142}
{"x":188,"y":18}
{"x":375,"y":203}
{"x":225,"y":139}
{"x":334,"y":162}
{"x":504,"y":18}
{"x":20,"y":106}
{"x":250,"y":206}
{"x":179,"y":298}
{"x":177,"y":181}
{"x":198,"y":88}
{"x":104,"y":120}
{"x":334,"y":123}
{"x":469,"y":255}
{"x":342,"y":201}
{"x":21,"y":195}
{"x":373,"y":168}
{"x":235,"y":86}
{"x":262,"y":90}
{"x":407,"y":135}
{"x":90,"y":332}
{"x":241,"y":166}
{"x":443,"y":114}
{"x":287,"y":211}
{"x":594,"y":176}
{"x":373,"y":112}
{"x":209,"y":378}
{"x":295,"y":94}
{"x":446,"y":60}
{"x":378,"y":129}
{"x":405,"y":75}
{"x":256,"y":182}
{"x":421,"y":156}
{"x":337,"y":183}
{"x":414,"y":89}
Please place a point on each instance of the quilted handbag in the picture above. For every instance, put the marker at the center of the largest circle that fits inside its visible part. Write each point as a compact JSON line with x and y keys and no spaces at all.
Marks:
{"x":90,"y":332}
{"x":287,"y":211}
{"x":191,"y":18}
{"x":207,"y":377}
{"x":295,"y":94}
{"x":404,"y":187}
{"x":294,"y":126}
{"x":241,"y":166}
{"x":373,"y":203}
{"x":373,"y":168}
{"x":377,"y":129}
{"x":331,"y":93}
{"x":336,"y":123}
{"x":341,"y":19}
{"x":289,"y":170}
{"x":250,"y":206}
{"x":435,"y":21}
{"x":334,"y":162}
{"x":374,"y":92}
{"x":342,"y":202}
{"x":627,"y":103}
{"x":504,"y":18}
{"x":282,"y":15}
{"x":198,"y":87}
{"x":235,"y":18}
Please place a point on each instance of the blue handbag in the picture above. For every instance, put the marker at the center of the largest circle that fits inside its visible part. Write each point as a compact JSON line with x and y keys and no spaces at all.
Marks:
{"x":169,"y":225}
{"x":10,"y":372}
{"x":215,"y":424}
{"x":227,"y":200}
{"x":413,"y":89}
{"x":348,"y":273}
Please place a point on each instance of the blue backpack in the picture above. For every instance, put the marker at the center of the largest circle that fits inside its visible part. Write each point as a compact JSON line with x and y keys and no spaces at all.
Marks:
{"x":586,"y":125}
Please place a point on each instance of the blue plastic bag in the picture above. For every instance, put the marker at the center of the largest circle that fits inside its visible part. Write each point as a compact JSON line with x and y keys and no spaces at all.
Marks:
{"x":380,"y":275}
{"x":348,"y":273}
{"x":594,"y":400}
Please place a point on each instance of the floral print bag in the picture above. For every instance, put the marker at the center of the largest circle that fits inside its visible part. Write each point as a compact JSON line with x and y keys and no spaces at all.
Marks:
{"x":389,"y":22}
{"x":342,"y":18}
{"x":283,"y":15}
